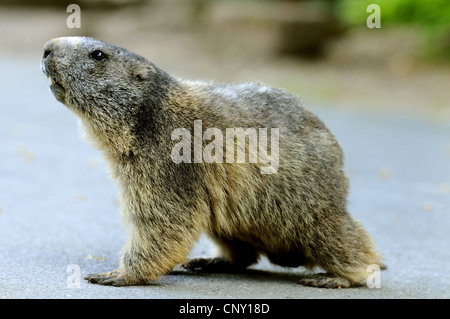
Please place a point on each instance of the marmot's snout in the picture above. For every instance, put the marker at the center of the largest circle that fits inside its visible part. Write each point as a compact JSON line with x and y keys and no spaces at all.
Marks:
{"x":47,"y":52}
{"x":48,"y":66}
{"x":49,"y":49}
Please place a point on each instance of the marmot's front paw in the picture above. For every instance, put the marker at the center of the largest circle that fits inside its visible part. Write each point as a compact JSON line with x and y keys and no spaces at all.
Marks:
{"x":116,"y":278}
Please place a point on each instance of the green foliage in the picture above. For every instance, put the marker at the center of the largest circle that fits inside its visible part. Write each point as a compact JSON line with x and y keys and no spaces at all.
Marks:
{"x":423,"y":12}
{"x":432,"y":17}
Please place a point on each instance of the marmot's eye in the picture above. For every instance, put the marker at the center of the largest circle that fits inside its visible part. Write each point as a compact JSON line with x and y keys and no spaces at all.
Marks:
{"x":97,"y":55}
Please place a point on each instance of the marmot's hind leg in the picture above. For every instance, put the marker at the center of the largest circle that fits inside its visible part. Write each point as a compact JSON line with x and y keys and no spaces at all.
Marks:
{"x":344,"y":252}
{"x":237,"y":256}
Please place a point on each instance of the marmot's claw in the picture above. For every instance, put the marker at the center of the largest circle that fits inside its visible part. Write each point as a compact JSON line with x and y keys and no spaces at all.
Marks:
{"x":325,"y":280}
{"x":97,"y":278}
{"x":114,"y":278}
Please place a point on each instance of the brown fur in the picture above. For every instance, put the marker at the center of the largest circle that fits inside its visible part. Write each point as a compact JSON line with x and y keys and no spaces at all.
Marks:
{"x":296,"y":217}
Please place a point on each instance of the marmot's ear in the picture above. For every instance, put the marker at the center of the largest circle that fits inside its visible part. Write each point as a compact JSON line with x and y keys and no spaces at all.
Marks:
{"x":142,"y":72}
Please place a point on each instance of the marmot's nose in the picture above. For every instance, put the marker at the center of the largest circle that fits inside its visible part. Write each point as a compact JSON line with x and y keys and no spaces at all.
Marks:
{"x":49,"y":48}
{"x":47,"y":52}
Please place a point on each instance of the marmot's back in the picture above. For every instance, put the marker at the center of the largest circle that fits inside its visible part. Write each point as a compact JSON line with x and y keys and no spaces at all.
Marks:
{"x":253,"y":105}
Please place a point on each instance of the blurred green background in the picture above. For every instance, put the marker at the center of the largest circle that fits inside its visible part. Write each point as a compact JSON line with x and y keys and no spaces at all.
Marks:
{"x":430,"y":18}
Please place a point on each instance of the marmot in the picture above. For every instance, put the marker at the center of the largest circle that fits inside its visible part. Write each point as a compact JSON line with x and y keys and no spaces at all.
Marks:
{"x":295,"y":215}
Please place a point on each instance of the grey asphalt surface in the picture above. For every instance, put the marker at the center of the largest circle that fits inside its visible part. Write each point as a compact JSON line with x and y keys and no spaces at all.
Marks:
{"x":58,"y":207}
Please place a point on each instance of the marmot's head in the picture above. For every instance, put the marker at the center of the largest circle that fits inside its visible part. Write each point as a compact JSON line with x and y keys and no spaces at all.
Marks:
{"x":86,"y":72}
{"x":110,"y":87}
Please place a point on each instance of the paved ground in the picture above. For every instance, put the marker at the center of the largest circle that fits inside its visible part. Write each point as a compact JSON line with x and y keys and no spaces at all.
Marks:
{"x":59,"y":215}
